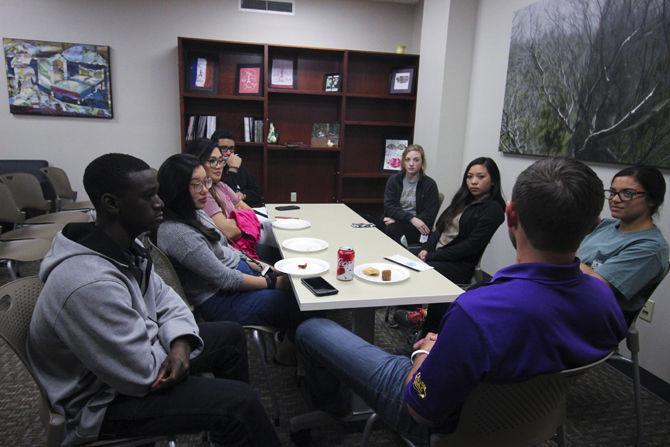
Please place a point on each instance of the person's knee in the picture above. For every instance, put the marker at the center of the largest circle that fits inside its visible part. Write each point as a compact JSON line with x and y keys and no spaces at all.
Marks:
{"x":228,"y":332}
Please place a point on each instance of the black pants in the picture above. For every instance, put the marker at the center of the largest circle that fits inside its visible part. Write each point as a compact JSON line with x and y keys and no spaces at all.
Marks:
{"x":456,"y":272}
{"x":397,"y":229}
{"x":225,"y":406}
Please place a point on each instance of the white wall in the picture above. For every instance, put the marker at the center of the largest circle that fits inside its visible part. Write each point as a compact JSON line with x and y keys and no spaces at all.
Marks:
{"x":143,"y":39}
{"x":484,"y":113}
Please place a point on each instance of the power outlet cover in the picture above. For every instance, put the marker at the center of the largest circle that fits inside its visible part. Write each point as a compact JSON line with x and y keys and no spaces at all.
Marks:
{"x":647,"y":311}
{"x":294,"y":197}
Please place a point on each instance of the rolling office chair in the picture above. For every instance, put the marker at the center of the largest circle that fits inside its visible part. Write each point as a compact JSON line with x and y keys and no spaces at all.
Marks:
{"x":509,"y":415}
{"x":631,"y":312}
{"x":17,"y":301}
{"x":166,"y":271}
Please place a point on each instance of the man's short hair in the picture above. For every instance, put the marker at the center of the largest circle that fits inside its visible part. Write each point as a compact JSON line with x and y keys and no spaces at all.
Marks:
{"x":222,"y":133}
{"x":558,"y":201}
{"x":109,"y":174}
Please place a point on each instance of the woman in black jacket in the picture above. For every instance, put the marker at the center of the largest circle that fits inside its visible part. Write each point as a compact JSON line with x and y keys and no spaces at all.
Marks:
{"x":410,"y":199}
{"x":463,"y":231}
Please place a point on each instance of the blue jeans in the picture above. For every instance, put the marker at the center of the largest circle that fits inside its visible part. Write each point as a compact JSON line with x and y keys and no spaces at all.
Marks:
{"x":273,"y":307}
{"x":337,"y":361}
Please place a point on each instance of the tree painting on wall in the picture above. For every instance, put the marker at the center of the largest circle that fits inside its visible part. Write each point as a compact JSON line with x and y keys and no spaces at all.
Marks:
{"x":590,"y":79}
{"x":58,"y":78}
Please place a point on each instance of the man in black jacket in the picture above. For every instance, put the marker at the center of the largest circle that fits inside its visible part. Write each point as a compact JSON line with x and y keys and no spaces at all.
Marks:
{"x":234,"y":174}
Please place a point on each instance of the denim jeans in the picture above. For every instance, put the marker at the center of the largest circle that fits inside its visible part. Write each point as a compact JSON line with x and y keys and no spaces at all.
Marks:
{"x":273,"y":307}
{"x":226,"y":406}
{"x":338,"y":361}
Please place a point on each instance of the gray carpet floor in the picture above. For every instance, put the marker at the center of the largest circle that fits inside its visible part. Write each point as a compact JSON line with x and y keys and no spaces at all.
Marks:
{"x":600,"y":405}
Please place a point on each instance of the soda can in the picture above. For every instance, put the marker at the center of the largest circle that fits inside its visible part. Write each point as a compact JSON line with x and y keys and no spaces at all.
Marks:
{"x":345,"y":263}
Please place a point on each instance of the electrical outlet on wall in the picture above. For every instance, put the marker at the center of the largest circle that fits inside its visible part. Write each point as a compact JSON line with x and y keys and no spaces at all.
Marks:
{"x":294,"y":196}
{"x":647,"y":311}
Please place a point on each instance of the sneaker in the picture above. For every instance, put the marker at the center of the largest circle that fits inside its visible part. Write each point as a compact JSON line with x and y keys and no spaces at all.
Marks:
{"x":410,"y":318}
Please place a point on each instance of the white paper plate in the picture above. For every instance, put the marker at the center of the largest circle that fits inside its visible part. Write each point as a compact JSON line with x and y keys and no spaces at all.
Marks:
{"x":305,"y":244}
{"x":315,"y":267}
{"x":291,"y":224}
{"x":398,"y":274}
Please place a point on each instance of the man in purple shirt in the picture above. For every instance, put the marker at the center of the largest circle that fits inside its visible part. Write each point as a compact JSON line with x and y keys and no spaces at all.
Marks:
{"x":537,"y":316}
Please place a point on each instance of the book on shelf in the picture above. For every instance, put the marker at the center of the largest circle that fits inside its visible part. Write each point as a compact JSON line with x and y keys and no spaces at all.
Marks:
{"x":258,"y":131}
{"x":200,"y":126}
{"x":325,"y":135}
{"x":253,"y":130}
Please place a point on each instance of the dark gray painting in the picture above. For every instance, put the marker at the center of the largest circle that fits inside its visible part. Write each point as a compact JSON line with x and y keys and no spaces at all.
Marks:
{"x":590,"y":79}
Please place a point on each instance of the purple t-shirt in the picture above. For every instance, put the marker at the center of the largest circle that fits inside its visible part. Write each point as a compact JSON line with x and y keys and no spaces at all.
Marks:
{"x":530,"y":319}
{"x":226,"y":195}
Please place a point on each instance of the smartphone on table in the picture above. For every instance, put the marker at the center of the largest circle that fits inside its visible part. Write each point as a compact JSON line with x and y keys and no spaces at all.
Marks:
{"x":287,"y":207}
{"x":319,"y":286}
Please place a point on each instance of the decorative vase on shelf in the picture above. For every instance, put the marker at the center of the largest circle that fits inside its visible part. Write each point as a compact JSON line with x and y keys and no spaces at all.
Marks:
{"x":272,"y":134}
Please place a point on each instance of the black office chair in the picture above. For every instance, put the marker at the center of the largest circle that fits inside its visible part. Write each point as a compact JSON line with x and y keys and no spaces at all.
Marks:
{"x":631,"y":310}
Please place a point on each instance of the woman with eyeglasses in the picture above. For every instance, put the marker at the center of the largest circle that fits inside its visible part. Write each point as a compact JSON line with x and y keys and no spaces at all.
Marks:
{"x":629,"y":252}
{"x":221,"y":282}
{"x":244,"y":230}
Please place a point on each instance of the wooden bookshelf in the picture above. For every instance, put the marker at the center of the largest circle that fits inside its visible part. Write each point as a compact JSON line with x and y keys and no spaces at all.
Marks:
{"x":364,"y":107}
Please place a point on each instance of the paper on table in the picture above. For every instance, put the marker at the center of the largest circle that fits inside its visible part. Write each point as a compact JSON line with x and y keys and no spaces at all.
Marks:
{"x":407,"y":262}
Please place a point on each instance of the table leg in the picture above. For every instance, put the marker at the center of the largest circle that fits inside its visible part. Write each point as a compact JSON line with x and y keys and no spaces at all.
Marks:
{"x":363,"y":323}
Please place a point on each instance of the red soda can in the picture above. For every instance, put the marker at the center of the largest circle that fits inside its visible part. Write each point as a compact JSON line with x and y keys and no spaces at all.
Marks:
{"x":345,"y":263}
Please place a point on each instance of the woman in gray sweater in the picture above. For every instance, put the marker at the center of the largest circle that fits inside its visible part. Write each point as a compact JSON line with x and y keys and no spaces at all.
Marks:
{"x":222,"y":283}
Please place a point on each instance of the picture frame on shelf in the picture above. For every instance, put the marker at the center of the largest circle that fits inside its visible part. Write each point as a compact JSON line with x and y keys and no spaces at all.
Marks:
{"x":202,"y":73}
{"x":393,"y":149}
{"x":401,"y":81}
{"x":249,"y":79}
{"x":283,"y":73}
{"x":332,"y":82}
{"x":325,"y":135}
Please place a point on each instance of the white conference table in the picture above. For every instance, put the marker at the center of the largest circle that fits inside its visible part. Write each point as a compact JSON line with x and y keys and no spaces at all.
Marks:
{"x":331,"y":222}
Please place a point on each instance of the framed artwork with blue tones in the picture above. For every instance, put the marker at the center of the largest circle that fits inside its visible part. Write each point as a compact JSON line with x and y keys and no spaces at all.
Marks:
{"x":58,"y":78}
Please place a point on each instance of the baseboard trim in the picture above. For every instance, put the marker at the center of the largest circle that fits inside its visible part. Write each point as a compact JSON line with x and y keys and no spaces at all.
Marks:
{"x":648,"y":380}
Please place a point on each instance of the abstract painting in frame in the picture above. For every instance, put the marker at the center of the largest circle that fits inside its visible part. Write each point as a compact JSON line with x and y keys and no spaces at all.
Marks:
{"x":590,"y":79}
{"x":58,"y":78}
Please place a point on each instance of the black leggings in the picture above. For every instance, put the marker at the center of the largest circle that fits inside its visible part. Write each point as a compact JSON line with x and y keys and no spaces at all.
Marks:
{"x":397,"y":229}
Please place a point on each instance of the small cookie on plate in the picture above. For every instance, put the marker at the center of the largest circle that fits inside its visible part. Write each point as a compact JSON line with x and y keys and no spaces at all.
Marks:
{"x":386,"y":275}
{"x":371,"y":271}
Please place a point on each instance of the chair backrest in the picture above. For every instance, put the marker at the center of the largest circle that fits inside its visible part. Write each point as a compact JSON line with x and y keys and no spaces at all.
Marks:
{"x":17,"y":302}
{"x":9,"y":211}
{"x":165,"y":269}
{"x":513,"y":415}
{"x":440,"y":199}
{"x":26,"y":191}
{"x":60,"y":183}
{"x":632,"y":308}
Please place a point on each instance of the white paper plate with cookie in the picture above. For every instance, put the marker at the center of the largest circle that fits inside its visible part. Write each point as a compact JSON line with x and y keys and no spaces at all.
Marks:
{"x":381,"y":273}
{"x":302,"y":267}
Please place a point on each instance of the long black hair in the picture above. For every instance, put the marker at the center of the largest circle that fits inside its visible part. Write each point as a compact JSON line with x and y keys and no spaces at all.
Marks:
{"x":651,"y":180}
{"x":201,"y":148}
{"x":174,"y":179}
{"x":464,"y":197}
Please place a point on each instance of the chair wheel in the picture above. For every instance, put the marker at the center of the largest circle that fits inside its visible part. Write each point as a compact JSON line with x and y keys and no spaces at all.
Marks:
{"x":301,"y":438}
